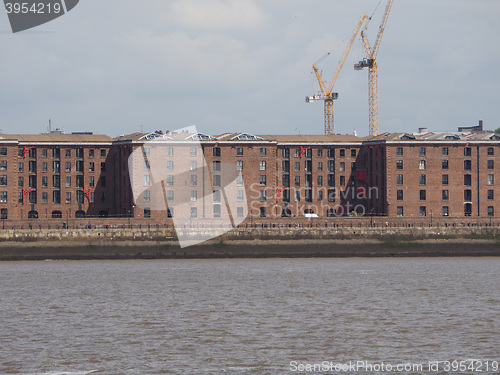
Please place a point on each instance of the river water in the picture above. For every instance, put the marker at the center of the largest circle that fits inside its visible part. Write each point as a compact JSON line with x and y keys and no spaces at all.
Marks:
{"x":261,"y":316}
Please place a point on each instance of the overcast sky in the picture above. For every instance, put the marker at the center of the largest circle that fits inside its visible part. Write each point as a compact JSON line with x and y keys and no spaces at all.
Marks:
{"x":112,"y":66}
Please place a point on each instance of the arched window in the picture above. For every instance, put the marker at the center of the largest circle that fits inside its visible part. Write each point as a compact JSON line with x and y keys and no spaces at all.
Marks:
{"x":80,"y":213}
{"x":33,"y":215}
{"x":56,"y":214}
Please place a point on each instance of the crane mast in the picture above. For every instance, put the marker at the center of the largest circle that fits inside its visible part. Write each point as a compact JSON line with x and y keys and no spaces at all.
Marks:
{"x":370,"y":62}
{"x":326,"y":91}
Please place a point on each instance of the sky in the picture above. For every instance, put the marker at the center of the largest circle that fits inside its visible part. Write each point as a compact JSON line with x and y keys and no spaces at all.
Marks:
{"x":117,"y":67}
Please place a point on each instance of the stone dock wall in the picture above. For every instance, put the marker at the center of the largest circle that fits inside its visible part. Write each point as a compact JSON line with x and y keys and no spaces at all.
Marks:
{"x":155,"y":243}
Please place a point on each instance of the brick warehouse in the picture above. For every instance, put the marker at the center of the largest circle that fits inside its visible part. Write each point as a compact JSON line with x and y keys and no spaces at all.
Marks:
{"x":398,"y":174}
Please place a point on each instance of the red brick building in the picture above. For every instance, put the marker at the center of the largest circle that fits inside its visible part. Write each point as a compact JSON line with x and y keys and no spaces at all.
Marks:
{"x":194,"y":175}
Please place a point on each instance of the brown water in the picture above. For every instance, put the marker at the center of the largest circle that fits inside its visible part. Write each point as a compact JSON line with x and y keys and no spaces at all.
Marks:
{"x":268,"y":316}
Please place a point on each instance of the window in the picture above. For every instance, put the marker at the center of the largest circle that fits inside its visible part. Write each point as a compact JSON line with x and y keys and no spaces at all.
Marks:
{"x":91,"y":181}
{"x":56,"y":196}
{"x":147,"y":211}
{"x":68,"y":167}
{"x":320,"y":180}
{"x":491,"y":179}
{"x":491,"y":194}
{"x":68,"y":153}
{"x":44,"y":166}
{"x":3,"y":165}
{"x":3,"y":197}
{"x":421,"y":165}
{"x":491,"y":211}
{"x":147,"y":196}
{"x":263,"y":195}
{"x":331,"y":152}
{"x":239,"y":195}
{"x":286,"y":153}
{"x":20,"y":181}
{"x":80,"y":197}
{"x":263,"y":180}
{"x":194,"y":212}
{"x":467,"y":180}
{"x":79,"y":153}
{"x":297,"y":196}
{"x":216,"y":166}
{"x":45,"y":181}
{"x":217,"y":210}
{"x":20,"y":166}
{"x":170,"y":151}
{"x":296,"y":152}
{"x":193,"y":180}
{"x":331,"y":180}
{"x":467,"y":151}
{"x":422,"y":151}
{"x":262,"y":151}
{"x":320,"y":195}
{"x":423,"y":195}
{"x":56,"y":181}
{"x":239,"y":211}
{"x":91,"y":166}
{"x":216,"y":180}
{"x":3,"y":213}
{"x":147,"y":180}
{"x":32,"y":182}
{"x":146,"y":151}
{"x":399,"y":211}
{"x":194,"y":195}
{"x":262,"y":165}
{"x":263,"y":212}
{"x":3,"y":151}
{"x":297,"y":180}
{"x":308,"y":165}
{"x":170,"y":165}
{"x":320,"y":153}
{"x":79,"y":166}
{"x":491,"y":151}
{"x":444,"y":164}
{"x":32,"y":153}
{"x":342,"y":181}
{"x":44,"y":152}
{"x":320,"y":166}
{"x":286,"y":166}
{"x":309,"y":196}
{"x":444,"y":151}
{"x":399,"y":179}
{"x":444,"y":179}
{"x":491,"y":164}
{"x":353,"y":153}
{"x":68,"y":197}
{"x":45,"y":197}
{"x":170,"y":180}
{"x":193,"y":165}
{"x":3,"y":180}
{"x":56,"y":154}
{"x":399,"y":151}
{"x":216,"y":151}
{"x":217,"y":196}
{"x":331,"y":165}
{"x":239,"y":151}
{"x":467,"y":195}
{"x":342,"y":152}
{"x":308,"y":153}
{"x":286,"y":180}
{"x":297,"y":166}
{"x":103,"y":167}
{"x":103,"y":197}
{"x":103,"y":181}
{"x":445,"y":195}
{"x":193,"y":151}
{"x":103,"y":153}
{"x":68,"y":181}
{"x":399,"y":195}
{"x":467,"y":165}
{"x":446,"y":211}
{"x":239,"y":165}
{"x":91,"y":153}
{"x":468,"y":209}
{"x":170,"y":195}
{"x":239,"y":180}
{"x":331,"y":195}
{"x":399,"y":164}
{"x":341,"y":166}
{"x":423,"y":211}
{"x":308,"y":180}
{"x":423,"y":179}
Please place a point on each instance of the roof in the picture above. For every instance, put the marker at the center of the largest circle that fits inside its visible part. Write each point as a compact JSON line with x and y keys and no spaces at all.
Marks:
{"x":57,"y":138}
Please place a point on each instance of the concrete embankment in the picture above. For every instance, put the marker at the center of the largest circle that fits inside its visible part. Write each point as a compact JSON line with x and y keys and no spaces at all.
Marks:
{"x":250,"y":242}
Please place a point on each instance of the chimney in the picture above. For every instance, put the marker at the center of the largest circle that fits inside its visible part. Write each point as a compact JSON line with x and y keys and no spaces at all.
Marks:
{"x":422,"y":130}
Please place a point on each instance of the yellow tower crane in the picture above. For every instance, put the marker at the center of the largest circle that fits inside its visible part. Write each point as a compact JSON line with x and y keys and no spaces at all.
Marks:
{"x":370,"y":62}
{"x":326,"y":91}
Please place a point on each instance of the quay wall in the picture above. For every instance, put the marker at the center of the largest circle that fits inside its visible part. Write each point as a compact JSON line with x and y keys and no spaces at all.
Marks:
{"x":159,"y":243}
